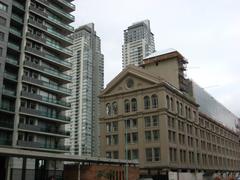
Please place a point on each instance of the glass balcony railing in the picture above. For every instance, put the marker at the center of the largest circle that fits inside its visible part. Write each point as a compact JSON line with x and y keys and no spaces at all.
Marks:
{"x":53,"y":58}
{"x":46,"y":145}
{"x":13,"y":46}
{"x":9,"y":92}
{"x":7,"y":107}
{"x":47,"y":129}
{"x":60,"y":35}
{"x":6,"y":124}
{"x":5,"y":141}
{"x":56,"y":73}
{"x":17,"y":18}
{"x":58,"y":10}
{"x":70,"y":28}
{"x":55,"y":101}
{"x":56,"y":87}
{"x":67,"y":4}
{"x":12,"y":61}
{"x":18,"y":5}
{"x":59,"y":48}
{"x":15,"y":31}
{"x":10,"y":76}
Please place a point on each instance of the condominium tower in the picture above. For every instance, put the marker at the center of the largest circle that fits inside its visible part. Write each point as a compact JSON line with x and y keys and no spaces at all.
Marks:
{"x":33,"y":48}
{"x":87,"y":83}
{"x":138,"y":43}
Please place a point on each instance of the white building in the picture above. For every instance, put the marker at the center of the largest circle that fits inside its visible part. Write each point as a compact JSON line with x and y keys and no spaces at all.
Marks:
{"x":88,"y":81}
{"x":138,"y":43}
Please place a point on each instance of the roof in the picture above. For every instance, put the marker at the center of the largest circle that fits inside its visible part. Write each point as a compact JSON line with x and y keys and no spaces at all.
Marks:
{"x":161,"y":52}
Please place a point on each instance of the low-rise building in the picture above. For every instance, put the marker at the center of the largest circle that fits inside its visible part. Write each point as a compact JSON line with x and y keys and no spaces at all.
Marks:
{"x":149,"y":113}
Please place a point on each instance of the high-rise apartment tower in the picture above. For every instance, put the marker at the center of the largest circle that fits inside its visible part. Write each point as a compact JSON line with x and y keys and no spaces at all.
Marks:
{"x":87,"y":83}
{"x":138,"y":43}
{"x":33,"y":48}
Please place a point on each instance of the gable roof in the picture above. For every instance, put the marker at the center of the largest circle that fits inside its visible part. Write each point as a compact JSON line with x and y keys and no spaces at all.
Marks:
{"x":134,"y":70}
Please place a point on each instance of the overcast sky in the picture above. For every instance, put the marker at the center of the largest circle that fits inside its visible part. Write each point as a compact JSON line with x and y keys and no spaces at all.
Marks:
{"x":206,"y":32}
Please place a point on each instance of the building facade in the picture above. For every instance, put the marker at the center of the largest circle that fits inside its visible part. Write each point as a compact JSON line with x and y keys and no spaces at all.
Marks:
{"x":138,"y":43}
{"x":148,"y":113}
{"x":33,"y":79}
{"x":87,"y":83}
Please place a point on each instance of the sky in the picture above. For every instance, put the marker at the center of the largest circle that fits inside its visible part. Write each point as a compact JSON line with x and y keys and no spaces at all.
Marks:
{"x":206,"y":33}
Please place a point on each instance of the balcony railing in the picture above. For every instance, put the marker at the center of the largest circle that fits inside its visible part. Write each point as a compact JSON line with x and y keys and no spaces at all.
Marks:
{"x":67,"y":4}
{"x":47,"y":84}
{"x":42,"y":145}
{"x":35,"y":23}
{"x":38,"y":11}
{"x":9,"y":92}
{"x":15,"y":31}
{"x":60,"y":35}
{"x":44,"y":114}
{"x":10,"y":76}
{"x":7,"y":142}
{"x":59,"y":48}
{"x":13,"y":46}
{"x":17,"y":18}
{"x":12,"y":61}
{"x":53,"y":58}
{"x":6,"y":124}
{"x":43,"y":129}
{"x":7,"y":107}
{"x":58,"y":10}
{"x":70,"y":28}
{"x":18,"y":5}
{"x":45,"y":99}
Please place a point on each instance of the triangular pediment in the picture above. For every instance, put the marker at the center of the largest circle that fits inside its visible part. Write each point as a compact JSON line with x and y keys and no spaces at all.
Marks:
{"x":129,"y":79}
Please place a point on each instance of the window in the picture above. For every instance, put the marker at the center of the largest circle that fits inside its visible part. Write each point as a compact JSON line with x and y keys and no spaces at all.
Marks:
{"x":115,"y":139}
{"x":3,"y":7}
{"x":1,"y":51}
{"x":149,"y":154}
{"x":154,"y":101}
{"x":134,"y":154}
{"x":115,"y":154}
{"x":168,"y":102}
{"x":172,"y":105}
{"x":148,"y":136}
{"x":134,"y":137}
{"x":1,"y":36}
{"x":156,"y":152}
{"x":108,"y":109}
{"x":155,"y":120}
{"x":156,"y":135}
{"x":114,"y":108}
{"x":3,"y":21}
{"x":134,"y":104}
{"x":147,"y":121}
{"x":146,"y":102}
{"x":172,"y":136}
{"x":173,"y":154}
{"x":127,"y":106}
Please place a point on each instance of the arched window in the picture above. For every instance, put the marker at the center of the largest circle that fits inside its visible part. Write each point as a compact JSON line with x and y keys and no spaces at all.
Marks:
{"x":178,"y":109}
{"x":127,"y":105}
{"x":172,"y":105}
{"x":154,"y":101}
{"x":168,"y":102}
{"x":181,"y":109}
{"x":108,"y":109}
{"x":134,"y":104}
{"x":114,"y":108}
{"x":146,"y":102}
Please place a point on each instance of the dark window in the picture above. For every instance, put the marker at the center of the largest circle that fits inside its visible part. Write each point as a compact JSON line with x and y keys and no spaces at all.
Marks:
{"x":1,"y":50}
{"x":3,"y":21}
{"x":127,"y":106}
{"x":134,"y":104}
{"x":154,"y":101}
{"x":3,"y":7}
{"x":146,"y":102}
{"x":1,"y":36}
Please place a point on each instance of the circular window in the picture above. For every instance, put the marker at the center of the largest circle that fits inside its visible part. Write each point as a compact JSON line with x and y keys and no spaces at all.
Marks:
{"x":130,"y":83}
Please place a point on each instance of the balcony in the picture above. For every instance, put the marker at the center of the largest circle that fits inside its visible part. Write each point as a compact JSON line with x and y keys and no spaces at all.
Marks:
{"x":48,"y":85}
{"x":10,"y":76}
{"x":38,"y":11}
{"x":43,"y":114}
{"x":32,"y":144}
{"x":58,"y":35}
{"x":36,"y":38}
{"x":13,"y":46}
{"x":52,"y":72}
{"x":64,"y":64}
{"x":12,"y":61}
{"x":18,"y":5}
{"x":6,"y":142}
{"x":46,"y":99}
{"x":6,"y":124}
{"x":37,"y":25}
{"x":16,"y":32}
{"x":17,"y":18}
{"x":9,"y":92}
{"x":43,"y":129}
{"x":60,"y":49}
{"x":61,"y":12}
{"x":7,"y":107}
{"x":59,"y":23}
{"x":67,"y":4}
